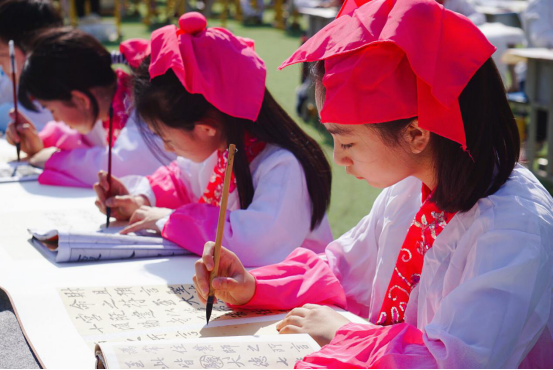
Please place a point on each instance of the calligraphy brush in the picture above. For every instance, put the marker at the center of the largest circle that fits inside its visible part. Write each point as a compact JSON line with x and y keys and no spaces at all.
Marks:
{"x":110,"y":144}
{"x":14,"y":84}
{"x":220,"y":228}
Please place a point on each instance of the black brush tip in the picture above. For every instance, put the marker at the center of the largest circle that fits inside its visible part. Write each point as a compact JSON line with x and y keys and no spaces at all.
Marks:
{"x":108,"y":214}
{"x":209,"y":308}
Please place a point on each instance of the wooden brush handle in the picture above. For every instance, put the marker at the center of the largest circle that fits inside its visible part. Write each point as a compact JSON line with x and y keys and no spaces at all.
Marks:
{"x":222,"y":216}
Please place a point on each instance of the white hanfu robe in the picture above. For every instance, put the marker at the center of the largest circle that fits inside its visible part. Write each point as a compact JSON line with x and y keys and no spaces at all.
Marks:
{"x":275,"y":223}
{"x":484,"y":299}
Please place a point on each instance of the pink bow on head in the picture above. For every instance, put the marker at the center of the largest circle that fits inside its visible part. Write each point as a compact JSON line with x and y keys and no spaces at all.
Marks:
{"x":224,"y":68}
{"x":391,"y":59}
{"x":135,"y":50}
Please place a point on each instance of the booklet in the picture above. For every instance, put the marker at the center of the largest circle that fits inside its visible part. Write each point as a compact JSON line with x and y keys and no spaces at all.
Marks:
{"x":83,"y":246}
{"x":269,"y":352}
{"x":18,"y":172}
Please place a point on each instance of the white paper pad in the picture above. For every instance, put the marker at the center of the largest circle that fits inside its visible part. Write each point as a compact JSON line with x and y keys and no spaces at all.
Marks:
{"x":33,"y":282}
{"x":18,"y":172}
{"x":105,"y":244}
{"x":270,"y":352}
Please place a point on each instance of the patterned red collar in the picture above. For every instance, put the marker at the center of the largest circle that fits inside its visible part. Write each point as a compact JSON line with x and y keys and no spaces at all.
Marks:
{"x":429,"y":222}
{"x":120,"y":105}
{"x":213,"y":192}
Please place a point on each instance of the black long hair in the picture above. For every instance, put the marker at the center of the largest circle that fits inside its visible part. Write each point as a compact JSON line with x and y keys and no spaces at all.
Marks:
{"x":62,"y":60}
{"x":164,"y":101}
{"x":21,"y":19}
{"x":492,"y":140}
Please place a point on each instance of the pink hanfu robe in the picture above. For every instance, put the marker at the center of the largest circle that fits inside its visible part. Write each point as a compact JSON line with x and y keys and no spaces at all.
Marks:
{"x":484,"y":299}
{"x":275,"y":223}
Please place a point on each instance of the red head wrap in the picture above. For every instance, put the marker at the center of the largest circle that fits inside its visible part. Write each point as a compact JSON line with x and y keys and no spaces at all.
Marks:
{"x":392,"y":59}
{"x":213,"y":62}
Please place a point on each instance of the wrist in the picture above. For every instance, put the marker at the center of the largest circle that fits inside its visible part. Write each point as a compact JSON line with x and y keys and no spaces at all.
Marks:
{"x":142,"y":200}
{"x":249,"y":289}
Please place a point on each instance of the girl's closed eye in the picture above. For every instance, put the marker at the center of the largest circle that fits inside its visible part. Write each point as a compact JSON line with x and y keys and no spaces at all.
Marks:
{"x":346,"y":146}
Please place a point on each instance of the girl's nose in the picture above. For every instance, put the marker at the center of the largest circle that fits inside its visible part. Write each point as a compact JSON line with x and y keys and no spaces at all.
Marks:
{"x":340,"y":157}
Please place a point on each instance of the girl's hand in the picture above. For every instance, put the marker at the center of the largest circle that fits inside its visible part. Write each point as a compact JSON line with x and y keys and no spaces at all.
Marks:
{"x":234,"y":285}
{"x":25,"y":134}
{"x":123,"y":205}
{"x":39,"y":159}
{"x":321,"y":322}
{"x":146,"y":217}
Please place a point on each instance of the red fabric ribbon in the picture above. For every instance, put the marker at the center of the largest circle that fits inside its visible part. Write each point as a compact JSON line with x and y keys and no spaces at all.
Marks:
{"x":120,"y":111}
{"x":214,"y":190}
{"x":429,"y":222}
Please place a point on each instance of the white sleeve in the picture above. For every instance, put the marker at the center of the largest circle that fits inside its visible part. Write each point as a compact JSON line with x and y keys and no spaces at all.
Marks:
{"x":130,"y":156}
{"x":492,"y":317}
{"x":353,"y":256}
{"x":161,"y":222}
{"x":279,"y":217}
{"x":139,"y":185}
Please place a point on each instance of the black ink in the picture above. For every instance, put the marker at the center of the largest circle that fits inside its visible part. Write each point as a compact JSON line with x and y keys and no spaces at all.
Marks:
{"x":260,"y":361}
{"x":236,"y":362}
{"x":211,"y":362}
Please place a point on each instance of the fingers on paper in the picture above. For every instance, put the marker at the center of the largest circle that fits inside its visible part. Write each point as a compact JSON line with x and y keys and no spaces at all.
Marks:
{"x":298,"y":311}
{"x":136,"y":224}
{"x":290,"y":329}
{"x":133,"y":228}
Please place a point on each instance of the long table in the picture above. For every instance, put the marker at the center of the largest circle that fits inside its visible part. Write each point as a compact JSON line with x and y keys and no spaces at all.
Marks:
{"x":32,"y":278}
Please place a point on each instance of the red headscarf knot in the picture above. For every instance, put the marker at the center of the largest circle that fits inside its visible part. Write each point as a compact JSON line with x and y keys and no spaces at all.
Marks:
{"x":213,"y":62}
{"x":192,"y":23}
{"x":392,"y":59}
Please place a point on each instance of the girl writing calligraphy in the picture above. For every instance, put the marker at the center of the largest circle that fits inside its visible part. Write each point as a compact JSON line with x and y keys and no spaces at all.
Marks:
{"x":199,"y":90}
{"x":453,"y":266}
{"x":69,"y":73}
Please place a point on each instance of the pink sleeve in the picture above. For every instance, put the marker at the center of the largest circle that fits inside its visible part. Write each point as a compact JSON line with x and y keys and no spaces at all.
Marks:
{"x":59,"y":135}
{"x":191,"y":225}
{"x":65,"y":167}
{"x":53,"y":177}
{"x":169,"y":190}
{"x":368,"y":346}
{"x":303,"y":277}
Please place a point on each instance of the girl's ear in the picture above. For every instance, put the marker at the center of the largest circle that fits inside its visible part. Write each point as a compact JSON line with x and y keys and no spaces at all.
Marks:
{"x":203,"y":130}
{"x":416,"y":137}
{"x":80,"y":100}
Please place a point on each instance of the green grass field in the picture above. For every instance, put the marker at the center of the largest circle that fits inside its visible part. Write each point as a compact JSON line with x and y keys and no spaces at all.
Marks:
{"x":351,"y":198}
